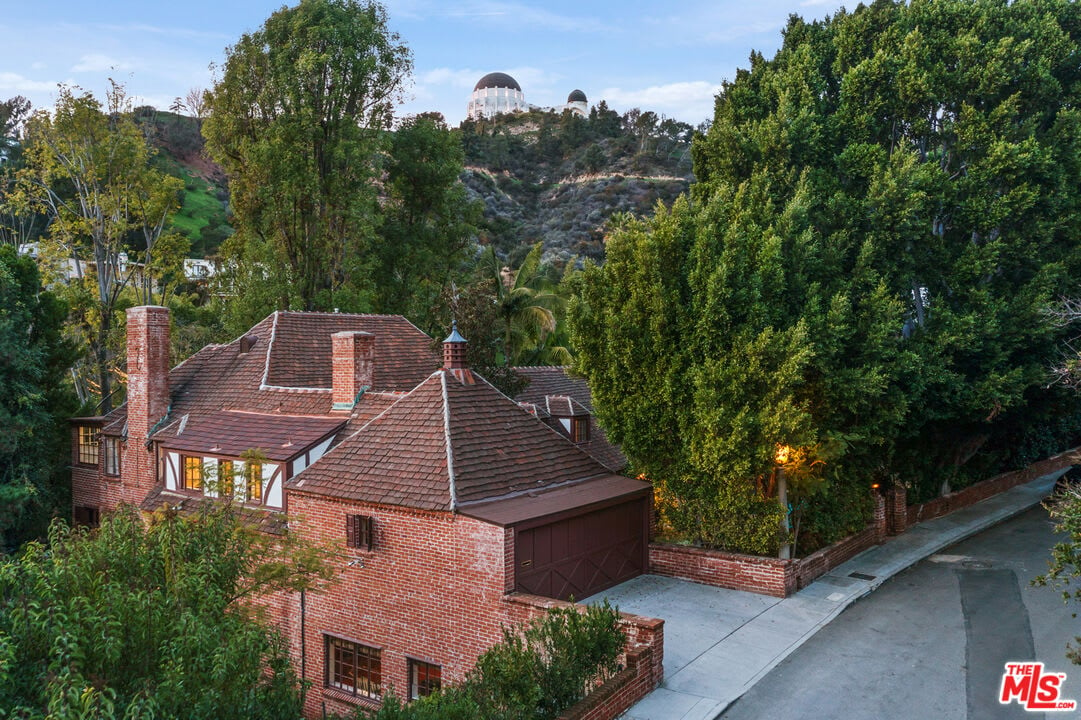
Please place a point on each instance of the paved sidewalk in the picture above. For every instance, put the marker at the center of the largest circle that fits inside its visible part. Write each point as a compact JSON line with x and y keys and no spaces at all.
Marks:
{"x":719,"y":643}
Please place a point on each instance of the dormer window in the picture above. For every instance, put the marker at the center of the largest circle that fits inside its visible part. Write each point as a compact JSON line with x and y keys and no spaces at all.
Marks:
{"x":253,"y":471}
{"x":193,"y":473}
{"x":580,"y":429}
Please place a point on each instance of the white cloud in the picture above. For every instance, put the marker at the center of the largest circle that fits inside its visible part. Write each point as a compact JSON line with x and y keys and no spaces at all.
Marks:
{"x":688,"y":101}
{"x":96,"y":63}
{"x":14,"y":81}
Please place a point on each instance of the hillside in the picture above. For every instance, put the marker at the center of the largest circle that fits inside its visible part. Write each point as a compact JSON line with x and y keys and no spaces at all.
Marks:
{"x":559,"y":178}
{"x":203,"y":213}
{"x":541,"y":176}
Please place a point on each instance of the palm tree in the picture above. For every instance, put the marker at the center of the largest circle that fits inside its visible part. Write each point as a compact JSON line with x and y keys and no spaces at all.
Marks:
{"x":527,"y":306}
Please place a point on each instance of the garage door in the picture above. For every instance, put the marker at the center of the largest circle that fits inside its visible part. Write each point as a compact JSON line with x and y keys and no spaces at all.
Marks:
{"x":581,"y":555}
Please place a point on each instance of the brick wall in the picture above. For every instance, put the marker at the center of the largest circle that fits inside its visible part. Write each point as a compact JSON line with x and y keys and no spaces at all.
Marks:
{"x":431,"y":589}
{"x":982,"y":490}
{"x":768,"y":576}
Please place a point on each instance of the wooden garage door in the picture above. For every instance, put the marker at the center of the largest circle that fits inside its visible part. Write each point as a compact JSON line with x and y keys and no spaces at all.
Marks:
{"x":582,"y":555}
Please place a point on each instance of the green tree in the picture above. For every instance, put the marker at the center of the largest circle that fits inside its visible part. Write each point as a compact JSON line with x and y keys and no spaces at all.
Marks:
{"x":1064,"y":568}
{"x":297,"y":121}
{"x":881,"y":213}
{"x":34,"y":479}
{"x":428,"y":221}
{"x":89,"y":171}
{"x":140,"y":620}
{"x":18,"y":224}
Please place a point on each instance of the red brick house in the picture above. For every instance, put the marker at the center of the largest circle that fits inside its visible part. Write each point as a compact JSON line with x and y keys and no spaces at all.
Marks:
{"x":452,"y":505}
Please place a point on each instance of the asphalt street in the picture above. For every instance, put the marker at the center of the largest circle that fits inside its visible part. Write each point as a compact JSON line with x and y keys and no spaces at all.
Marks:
{"x":933,"y":641}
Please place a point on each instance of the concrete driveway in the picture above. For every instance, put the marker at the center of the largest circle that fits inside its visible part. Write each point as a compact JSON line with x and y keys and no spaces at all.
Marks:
{"x":696,"y":619}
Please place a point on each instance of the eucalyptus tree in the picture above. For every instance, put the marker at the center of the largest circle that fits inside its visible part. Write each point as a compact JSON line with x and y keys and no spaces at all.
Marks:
{"x":298,"y":121}
{"x":89,"y":170}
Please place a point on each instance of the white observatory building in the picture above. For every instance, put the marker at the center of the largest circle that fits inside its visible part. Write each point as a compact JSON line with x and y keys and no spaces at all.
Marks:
{"x":496,"y":93}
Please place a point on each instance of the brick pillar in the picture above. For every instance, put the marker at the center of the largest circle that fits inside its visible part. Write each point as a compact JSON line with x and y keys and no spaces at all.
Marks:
{"x":896,"y":509}
{"x":353,"y":366}
{"x":148,"y":397}
{"x":880,"y":521}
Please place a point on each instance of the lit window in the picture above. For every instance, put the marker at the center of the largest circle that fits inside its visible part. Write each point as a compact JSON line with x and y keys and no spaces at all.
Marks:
{"x":88,"y":445}
{"x":225,"y":477}
{"x":424,"y":678}
{"x":193,"y":473}
{"x":358,"y":532}
{"x":254,"y":473}
{"x":110,"y":451}
{"x":353,"y":668}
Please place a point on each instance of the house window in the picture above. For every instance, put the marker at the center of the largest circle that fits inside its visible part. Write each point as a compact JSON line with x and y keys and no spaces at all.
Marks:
{"x":424,"y":678}
{"x":88,"y":516}
{"x":580,"y":430}
{"x":353,"y":668}
{"x":358,"y":531}
{"x":254,"y":474}
{"x":88,"y":445}
{"x":225,"y":478}
{"x":193,"y":473}
{"x":110,"y":451}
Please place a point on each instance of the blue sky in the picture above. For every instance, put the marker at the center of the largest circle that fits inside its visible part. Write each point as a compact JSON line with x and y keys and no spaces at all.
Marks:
{"x":631,"y":53}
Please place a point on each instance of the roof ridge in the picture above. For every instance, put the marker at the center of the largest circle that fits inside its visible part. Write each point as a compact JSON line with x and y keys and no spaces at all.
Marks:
{"x":450,"y":451}
{"x":269,"y":348}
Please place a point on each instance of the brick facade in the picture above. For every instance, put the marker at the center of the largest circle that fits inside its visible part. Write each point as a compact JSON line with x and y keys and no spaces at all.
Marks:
{"x":735,"y":571}
{"x":432,"y":588}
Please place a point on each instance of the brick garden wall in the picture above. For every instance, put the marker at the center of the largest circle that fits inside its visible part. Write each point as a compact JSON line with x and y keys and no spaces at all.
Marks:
{"x":993,"y":486}
{"x":768,"y":576}
{"x":781,"y":578}
{"x":643,"y":659}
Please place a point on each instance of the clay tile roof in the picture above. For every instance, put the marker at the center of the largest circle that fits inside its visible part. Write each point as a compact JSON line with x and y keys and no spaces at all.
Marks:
{"x":496,"y":449}
{"x":563,"y":406}
{"x":300,"y":350}
{"x":545,"y":381}
{"x":232,"y":433}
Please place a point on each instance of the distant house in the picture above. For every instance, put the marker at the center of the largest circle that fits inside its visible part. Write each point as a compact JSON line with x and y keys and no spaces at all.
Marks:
{"x":445,"y":499}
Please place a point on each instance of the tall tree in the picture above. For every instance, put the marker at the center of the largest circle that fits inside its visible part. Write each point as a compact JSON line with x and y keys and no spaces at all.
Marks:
{"x":34,"y":481}
{"x":297,"y":121}
{"x":881,"y":213}
{"x":89,"y":170}
{"x":428,"y":221}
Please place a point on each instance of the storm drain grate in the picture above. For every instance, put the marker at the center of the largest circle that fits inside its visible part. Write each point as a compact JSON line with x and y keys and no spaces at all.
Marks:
{"x":861,"y":576}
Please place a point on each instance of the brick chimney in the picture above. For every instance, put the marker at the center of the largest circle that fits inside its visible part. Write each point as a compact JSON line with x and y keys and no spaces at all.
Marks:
{"x":454,"y":348}
{"x":353,"y":366}
{"x":148,"y":396}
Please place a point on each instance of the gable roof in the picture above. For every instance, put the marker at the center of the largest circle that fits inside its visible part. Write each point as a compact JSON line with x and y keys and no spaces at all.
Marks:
{"x":282,"y":366}
{"x":454,"y":440}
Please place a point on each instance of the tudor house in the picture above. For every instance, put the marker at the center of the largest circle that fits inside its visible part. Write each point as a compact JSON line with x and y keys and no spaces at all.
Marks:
{"x":448,"y":501}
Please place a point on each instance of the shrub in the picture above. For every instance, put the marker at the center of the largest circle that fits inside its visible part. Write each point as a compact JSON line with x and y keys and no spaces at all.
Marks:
{"x":534,"y":674}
